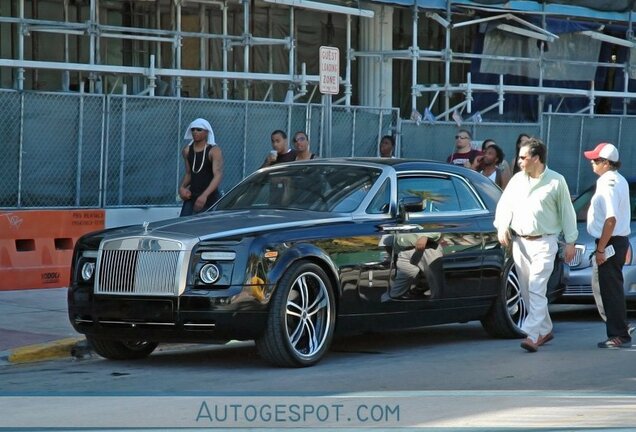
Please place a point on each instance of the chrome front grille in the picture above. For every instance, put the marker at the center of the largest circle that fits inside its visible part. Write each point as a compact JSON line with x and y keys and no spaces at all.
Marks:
{"x":123,"y":270}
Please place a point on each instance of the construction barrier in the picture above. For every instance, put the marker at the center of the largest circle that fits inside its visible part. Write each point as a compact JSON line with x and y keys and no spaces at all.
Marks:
{"x":36,"y":246}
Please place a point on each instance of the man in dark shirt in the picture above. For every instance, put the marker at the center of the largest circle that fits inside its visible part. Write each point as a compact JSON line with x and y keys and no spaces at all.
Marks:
{"x":280,"y":150}
{"x":199,"y":188}
{"x":464,"y":154}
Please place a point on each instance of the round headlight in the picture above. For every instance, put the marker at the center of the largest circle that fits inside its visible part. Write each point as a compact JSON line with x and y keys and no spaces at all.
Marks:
{"x":209,"y":273}
{"x":88,"y":269}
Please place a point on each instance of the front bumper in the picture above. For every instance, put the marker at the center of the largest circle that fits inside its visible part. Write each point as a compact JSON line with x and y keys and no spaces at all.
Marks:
{"x":194,"y":316}
{"x":579,"y":284}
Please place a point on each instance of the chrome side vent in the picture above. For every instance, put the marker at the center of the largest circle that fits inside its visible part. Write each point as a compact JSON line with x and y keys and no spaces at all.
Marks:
{"x":578,"y":290}
{"x":578,"y":256}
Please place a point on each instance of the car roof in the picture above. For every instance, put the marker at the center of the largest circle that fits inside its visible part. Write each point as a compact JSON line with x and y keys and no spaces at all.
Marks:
{"x":405,"y":165}
{"x":399,"y":164}
{"x":490,"y":193}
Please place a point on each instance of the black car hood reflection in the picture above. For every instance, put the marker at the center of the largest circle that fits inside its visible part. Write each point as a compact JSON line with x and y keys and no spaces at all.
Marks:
{"x":233,"y":222}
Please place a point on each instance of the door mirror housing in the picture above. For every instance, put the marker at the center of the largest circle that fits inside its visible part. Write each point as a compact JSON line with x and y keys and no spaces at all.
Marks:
{"x":409,"y":204}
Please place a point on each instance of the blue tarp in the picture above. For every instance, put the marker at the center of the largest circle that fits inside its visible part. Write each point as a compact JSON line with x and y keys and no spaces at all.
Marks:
{"x":602,"y":10}
{"x":561,"y":19}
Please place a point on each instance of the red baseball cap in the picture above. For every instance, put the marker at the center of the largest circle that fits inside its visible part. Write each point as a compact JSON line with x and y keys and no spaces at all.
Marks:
{"x":603,"y":151}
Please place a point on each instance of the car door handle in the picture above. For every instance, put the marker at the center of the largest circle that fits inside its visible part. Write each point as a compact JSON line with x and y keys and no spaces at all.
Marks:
{"x":401,"y":228}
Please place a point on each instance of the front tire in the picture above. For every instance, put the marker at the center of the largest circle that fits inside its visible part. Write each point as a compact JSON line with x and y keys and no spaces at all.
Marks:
{"x":301,"y":318}
{"x":121,"y":350}
{"x":508,"y":312}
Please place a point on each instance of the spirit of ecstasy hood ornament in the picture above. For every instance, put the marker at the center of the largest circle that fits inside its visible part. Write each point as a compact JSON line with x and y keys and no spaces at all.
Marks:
{"x":146,"y":223}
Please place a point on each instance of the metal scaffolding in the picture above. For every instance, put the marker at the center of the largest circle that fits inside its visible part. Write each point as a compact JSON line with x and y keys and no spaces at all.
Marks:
{"x":459,"y":95}
{"x":99,"y":32}
{"x":154,"y":43}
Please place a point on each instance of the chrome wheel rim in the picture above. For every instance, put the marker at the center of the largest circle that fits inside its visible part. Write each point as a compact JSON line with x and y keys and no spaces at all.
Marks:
{"x":517,"y":308}
{"x":307,"y":315}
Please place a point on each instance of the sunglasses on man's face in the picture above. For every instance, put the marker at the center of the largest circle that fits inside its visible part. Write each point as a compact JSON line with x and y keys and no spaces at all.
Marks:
{"x":197,"y":130}
{"x":300,"y":138}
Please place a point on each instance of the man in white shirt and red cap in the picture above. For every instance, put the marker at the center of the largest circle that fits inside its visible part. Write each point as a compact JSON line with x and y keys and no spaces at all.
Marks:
{"x":608,"y":220}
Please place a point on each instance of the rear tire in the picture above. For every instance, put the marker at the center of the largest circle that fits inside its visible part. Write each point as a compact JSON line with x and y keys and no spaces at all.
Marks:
{"x":121,"y":350}
{"x":506,"y":316}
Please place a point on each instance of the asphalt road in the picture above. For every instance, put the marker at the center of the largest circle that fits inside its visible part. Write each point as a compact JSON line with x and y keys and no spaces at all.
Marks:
{"x":450,"y":372}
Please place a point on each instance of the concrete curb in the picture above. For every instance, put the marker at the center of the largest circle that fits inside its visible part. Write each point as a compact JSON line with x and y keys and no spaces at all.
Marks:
{"x":45,"y":351}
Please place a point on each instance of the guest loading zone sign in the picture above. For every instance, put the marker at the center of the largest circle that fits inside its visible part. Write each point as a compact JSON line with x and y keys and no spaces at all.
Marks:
{"x":329,"y":70}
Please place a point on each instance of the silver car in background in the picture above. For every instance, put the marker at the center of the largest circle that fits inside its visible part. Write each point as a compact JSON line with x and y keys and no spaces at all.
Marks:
{"x":579,"y":282}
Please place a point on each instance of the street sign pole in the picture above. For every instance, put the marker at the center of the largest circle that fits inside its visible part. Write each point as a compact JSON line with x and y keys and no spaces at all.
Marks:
{"x":326,"y":105}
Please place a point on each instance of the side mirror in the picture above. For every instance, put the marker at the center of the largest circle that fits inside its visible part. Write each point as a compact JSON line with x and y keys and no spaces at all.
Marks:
{"x":409,"y":204}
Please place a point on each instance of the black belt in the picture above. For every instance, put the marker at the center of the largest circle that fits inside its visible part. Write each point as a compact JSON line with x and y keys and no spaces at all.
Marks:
{"x":531,"y":237}
{"x":527,"y":237}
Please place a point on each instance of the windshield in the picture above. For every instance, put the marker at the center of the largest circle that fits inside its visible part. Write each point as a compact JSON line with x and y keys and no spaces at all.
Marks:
{"x":328,"y":188}
{"x":582,"y":202}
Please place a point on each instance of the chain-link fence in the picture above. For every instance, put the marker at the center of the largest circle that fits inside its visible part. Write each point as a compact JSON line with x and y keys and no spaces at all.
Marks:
{"x":85,"y":150}
{"x":568,"y":136}
{"x":437,"y":140}
{"x":11,"y":145}
{"x":565,"y":135}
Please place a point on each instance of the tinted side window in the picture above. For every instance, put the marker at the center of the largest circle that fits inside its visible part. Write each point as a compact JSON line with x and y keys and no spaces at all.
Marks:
{"x":467,"y":198}
{"x":437,"y":193}
{"x":381,"y":202}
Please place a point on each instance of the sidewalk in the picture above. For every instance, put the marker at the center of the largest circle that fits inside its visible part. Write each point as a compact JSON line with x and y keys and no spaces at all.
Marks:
{"x":34,"y":326}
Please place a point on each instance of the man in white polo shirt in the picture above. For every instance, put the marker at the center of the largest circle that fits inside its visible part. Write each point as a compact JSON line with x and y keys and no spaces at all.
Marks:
{"x":608,"y":220}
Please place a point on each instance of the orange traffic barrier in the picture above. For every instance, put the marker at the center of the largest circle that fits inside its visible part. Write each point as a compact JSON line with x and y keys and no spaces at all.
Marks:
{"x":36,"y":246}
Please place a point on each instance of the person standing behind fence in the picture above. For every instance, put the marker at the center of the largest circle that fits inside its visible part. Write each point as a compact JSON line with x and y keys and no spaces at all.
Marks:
{"x":280,"y":150}
{"x":387,"y":146}
{"x":301,"y":145}
{"x":608,"y":220}
{"x":532,"y":211}
{"x":478,"y":164}
{"x":492,"y":157}
{"x":203,"y":159}
{"x":464,"y":155}
{"x":503,"y":164}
